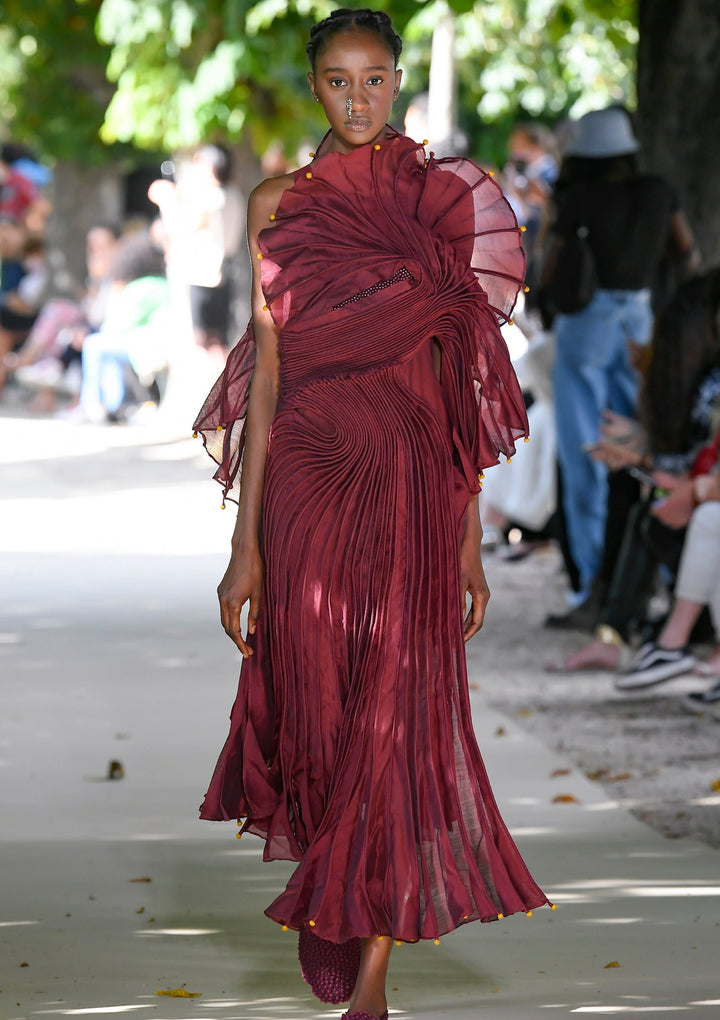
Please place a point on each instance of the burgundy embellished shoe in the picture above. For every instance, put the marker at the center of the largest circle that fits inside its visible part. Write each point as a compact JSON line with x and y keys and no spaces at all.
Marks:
{"x":357,"y":1014}
{"x":331,"y":969}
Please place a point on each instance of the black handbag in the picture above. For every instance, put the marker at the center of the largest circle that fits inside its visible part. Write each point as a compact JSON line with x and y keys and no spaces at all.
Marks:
{"x":574,"y":281}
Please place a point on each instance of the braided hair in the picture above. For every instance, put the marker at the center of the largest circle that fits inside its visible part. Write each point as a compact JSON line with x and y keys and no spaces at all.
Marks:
{"x":344,"y":19}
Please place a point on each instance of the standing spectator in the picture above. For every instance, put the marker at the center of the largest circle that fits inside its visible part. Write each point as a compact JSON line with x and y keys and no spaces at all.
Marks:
{"x":632,"y":219}
{"x":528,"y":178}
{"x":17,"y":194}
{"x":202,"y":217}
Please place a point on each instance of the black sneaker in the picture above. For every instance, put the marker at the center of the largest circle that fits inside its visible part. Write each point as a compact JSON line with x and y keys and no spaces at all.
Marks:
{"x":654,"y":664}
{"x":702,"y":702}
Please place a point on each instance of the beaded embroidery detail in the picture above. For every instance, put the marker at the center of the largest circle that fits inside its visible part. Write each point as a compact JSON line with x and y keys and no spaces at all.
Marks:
{"x":402,"y":274}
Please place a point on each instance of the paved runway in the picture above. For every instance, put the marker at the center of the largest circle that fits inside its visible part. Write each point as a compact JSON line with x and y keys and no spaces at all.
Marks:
{"x":110,"y":549}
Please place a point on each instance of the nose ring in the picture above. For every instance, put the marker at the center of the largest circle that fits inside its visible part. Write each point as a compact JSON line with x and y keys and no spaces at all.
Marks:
{"x":348,"y":107}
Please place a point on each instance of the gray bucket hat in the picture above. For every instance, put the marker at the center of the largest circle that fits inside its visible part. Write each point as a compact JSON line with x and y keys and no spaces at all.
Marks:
{"x":603,"y":133}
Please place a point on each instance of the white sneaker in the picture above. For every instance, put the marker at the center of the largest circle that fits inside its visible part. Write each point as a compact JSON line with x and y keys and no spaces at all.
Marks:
{"x":654,"y":664}
{"x":49,"y":374}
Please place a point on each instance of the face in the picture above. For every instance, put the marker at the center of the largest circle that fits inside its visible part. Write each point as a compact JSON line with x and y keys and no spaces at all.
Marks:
{"x":355,"y":65}
{"x":100,"y":246}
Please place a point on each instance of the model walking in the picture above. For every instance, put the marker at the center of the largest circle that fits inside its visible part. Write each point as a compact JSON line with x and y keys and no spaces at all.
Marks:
{"x":371,"y":389}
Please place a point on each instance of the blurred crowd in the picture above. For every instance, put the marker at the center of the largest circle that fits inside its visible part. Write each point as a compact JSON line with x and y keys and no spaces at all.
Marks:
{"x":101,"y":349}
{"x":617,"y":344}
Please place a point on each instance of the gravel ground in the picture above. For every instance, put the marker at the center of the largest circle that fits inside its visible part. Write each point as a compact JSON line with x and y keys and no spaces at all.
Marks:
{"x":650,"y":754}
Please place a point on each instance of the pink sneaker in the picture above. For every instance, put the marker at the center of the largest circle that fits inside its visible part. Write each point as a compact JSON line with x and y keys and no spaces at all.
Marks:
{"x":330,"y":968}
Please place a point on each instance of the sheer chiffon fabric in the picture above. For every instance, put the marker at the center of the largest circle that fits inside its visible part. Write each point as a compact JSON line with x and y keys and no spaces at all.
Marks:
{"x":351,"y":749}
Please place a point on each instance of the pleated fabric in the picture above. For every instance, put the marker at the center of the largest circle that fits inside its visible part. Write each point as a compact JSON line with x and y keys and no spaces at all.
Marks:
{"x":351,"y":748}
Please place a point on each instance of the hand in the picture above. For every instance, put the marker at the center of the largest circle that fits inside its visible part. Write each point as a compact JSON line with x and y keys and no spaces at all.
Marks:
{"x":472,"y":580}
{"x":615,"y":455}
{"x":243,"y":581}
{"x":676,"y":509}
{"x":706,"y":488}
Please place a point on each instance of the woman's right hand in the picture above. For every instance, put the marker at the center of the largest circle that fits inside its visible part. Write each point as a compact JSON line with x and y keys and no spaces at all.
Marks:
{"x":242,"y":582}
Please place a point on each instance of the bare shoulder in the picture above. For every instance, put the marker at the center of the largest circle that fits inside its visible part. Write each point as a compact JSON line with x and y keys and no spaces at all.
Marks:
{"x":264,"y":200}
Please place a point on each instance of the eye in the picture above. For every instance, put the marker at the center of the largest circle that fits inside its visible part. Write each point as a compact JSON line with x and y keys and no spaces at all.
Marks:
{"x":375,"y":80}
{"x":336,"y":83}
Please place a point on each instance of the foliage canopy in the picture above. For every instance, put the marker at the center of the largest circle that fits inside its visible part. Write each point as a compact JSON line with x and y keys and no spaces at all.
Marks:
{"x":165,"y":74}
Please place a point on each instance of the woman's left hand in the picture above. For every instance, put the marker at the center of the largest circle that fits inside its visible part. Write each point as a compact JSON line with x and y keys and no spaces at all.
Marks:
{"x":675,"y":509}
{"x":472,"y":580}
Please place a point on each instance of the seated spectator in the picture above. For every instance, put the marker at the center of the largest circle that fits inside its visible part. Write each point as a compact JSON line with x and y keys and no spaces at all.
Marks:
{"x":680,"y":409}
{"x":121,"y":361}
{"x":43,"y":278}
{"x":54,"y":343}
{"x":698,"y":585}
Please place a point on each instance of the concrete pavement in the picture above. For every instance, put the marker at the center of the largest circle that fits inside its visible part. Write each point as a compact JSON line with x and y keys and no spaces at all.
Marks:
{"x":110,"y":550}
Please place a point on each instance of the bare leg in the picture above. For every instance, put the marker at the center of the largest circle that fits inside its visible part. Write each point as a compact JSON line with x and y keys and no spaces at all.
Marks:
{"x":594,"y":655}
{"x":369,"y":994}
{"x":679,"y":625}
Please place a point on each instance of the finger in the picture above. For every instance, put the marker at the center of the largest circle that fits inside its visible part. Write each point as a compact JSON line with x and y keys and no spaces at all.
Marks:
{"x":230,"y":616}
{"x":475,"y":617}
{"x":253,"y":613}
{"x":665,"y":481}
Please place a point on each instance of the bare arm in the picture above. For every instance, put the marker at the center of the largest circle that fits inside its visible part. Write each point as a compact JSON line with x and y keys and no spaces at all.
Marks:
{"x":244,"y":577}
{"x":682,"y":242}
{"x":472,"y":575}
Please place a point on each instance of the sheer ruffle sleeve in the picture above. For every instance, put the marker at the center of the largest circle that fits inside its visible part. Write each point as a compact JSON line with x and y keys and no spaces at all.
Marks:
{"x":221,"y":421}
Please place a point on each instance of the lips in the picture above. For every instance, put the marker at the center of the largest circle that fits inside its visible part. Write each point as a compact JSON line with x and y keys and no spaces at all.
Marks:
{"x":357,"y":124}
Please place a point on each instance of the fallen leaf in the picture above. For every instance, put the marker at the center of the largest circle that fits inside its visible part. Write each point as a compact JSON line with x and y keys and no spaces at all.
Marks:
{"x":140,"y":910}
{"x":606,"y":776}
{"x":178,"y":993}
{"x":560,"y":772}
{"x":144,"y":879}
{"x":565,"y":798}
{"x":24,"y":964}
{"x":523,"y":713}
{"x":115,"y":770}
{"x":500,"y":731}
{"x":715,"y":785}
{"x":474,"y":687}
{"x":495,"y":991}
{"x":613,"y":963}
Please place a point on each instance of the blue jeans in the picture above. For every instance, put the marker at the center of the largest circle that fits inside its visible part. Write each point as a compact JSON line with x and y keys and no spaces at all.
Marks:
{"x":593,"y":372}
{"x":104,"y":357}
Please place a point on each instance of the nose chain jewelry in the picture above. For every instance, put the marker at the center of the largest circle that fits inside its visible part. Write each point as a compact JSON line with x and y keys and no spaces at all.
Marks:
{"x":348,"y":107}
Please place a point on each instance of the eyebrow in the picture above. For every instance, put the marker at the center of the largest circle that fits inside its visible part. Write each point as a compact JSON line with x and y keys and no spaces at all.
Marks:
{"x":335,"y":70}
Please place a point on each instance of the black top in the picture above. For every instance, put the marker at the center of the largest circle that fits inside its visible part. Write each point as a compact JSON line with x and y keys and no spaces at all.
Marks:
{"x":629,"y":225}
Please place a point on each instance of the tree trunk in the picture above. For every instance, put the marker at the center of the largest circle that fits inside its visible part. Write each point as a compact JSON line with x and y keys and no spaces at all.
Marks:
{"x":82,"y":197}
{"x":679,"y":108}
{"x":441,"y":95}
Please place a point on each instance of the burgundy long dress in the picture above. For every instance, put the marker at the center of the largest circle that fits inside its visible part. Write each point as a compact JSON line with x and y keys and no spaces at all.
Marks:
{"x":351,"y":748}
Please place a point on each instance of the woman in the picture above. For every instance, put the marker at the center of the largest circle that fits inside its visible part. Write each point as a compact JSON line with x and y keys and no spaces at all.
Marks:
{"x":379,"y":386}
{"x":631,"y":221}
{"x":679,"y":412}
{"x":698,"y":585}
